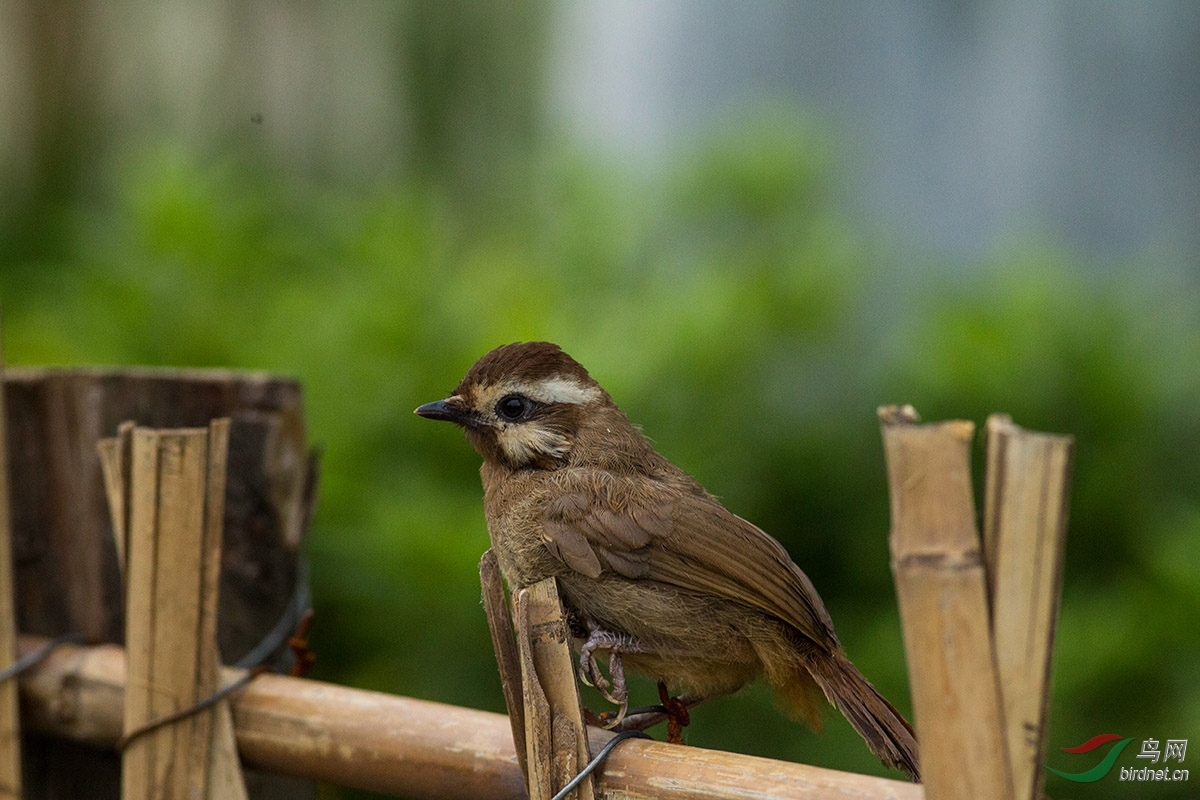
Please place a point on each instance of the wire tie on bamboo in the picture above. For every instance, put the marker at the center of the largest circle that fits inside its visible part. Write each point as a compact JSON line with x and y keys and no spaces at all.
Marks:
{"x":41,"y":654}
{"x":303,"y":659}
{"x":595,"y":762}
{"x":184,"y":713}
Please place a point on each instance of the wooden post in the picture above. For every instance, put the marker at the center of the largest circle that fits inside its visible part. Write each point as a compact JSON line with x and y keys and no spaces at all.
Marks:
{"x":65,"y":555}
{"x":115,"y":464}
{"x":555,"y":739}
{"x":942,"y":593}
{"x":10,"y":729}
{"x":1025,"y":521}
{"x":537,"y":676}
{"x":176,"y":515}
{"x":495,"y":605}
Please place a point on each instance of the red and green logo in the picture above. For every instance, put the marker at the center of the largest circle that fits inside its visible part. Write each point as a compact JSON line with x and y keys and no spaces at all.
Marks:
{"x":1100,"y":770}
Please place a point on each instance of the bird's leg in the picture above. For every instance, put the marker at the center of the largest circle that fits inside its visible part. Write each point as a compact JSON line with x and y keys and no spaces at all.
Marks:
{"x":677,"y":714}
{"x":641,"y":719}
{"x":614,"y":689}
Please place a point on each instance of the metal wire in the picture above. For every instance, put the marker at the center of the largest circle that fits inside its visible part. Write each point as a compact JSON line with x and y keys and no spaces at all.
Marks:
{"x":208,"y":702}
{"x":275,"y":638}
{"x":595,"y":762}
{"x":254,"y":661}
{"x":30,"y":659}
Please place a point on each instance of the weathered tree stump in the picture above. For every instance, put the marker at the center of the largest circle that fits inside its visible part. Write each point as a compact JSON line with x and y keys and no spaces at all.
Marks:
{"x":67,"y":576}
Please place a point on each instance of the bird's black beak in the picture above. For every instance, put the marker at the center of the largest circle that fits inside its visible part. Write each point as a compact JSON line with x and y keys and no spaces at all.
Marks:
{"x":452,"y":409}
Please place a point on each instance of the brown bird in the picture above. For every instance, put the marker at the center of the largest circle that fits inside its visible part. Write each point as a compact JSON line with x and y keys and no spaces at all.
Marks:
{"x":652,"y":568}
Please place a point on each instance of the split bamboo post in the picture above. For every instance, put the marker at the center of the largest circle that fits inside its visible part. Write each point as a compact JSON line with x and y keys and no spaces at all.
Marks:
{"x":65,"y":558}
{"x":556,"y":741}
{"x":508,"y":660}
{"x":176,"y":515}
{"x":1025,"y":519}
{"x":115,"y":456}
{"x":66,"y":569}
{"x":415,"y":748}
{"x":214,"y":765}
{"x":942,"y":593}
{"x":10,"y":729}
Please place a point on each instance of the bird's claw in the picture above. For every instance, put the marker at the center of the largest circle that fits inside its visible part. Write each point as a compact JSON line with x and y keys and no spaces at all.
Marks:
{"x":589,"y":669}
{"x":615,"y":690}
{"x":619,"y":695}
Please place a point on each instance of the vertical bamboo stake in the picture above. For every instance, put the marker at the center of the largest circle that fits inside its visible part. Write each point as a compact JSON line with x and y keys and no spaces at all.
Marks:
{"x":943,"y":602}
{"x":555,"y":738}
{"x":495,"y":605}
{"x":1025,"y":520}
{"x":176,"y":511}
{"x":115,"y":455}
{"x":138,"y":774}
{"x":535,"y":711}
{"x":223,"y":771}
{"x":208,"y":662}
{"x":10,"y":730}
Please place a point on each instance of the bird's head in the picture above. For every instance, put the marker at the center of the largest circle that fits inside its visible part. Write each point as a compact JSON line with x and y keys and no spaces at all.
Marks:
{"x":525,"y":405}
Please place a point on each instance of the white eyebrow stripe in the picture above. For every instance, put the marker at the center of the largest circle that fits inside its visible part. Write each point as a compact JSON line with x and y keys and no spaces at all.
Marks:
{"x":559,"y":390}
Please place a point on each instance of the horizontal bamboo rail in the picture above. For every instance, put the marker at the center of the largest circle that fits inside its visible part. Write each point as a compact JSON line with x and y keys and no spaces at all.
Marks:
{"x":413,"y":748}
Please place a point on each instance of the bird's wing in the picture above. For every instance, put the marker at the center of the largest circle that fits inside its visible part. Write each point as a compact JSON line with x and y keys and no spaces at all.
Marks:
{"x":646,"y":529}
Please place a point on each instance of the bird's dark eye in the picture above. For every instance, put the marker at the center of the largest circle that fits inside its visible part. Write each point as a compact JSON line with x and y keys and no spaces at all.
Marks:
{"x":512,"y":407}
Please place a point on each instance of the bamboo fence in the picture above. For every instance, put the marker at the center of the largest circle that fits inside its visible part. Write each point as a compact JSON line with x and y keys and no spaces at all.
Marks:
{"x":978,"y":615}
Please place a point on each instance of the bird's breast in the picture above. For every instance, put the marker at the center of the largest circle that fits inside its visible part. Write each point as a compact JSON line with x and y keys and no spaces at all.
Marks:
{"x":515,"y":511}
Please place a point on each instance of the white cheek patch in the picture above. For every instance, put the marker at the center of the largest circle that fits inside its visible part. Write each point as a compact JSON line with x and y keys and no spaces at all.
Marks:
{"x":525,"y":443}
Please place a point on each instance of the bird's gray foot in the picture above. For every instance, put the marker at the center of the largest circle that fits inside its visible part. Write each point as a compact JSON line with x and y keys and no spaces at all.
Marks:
{"x":613,"y":688}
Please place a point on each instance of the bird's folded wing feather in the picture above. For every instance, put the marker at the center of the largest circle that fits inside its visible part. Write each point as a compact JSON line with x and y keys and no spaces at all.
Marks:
{"x":650,"y":530}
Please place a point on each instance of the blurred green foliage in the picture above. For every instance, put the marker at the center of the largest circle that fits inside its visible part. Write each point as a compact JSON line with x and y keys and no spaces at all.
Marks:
{"x":727,"y":305}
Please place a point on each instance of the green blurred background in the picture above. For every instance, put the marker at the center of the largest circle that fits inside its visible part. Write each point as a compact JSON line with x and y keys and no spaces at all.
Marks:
{"x":369,"y":199}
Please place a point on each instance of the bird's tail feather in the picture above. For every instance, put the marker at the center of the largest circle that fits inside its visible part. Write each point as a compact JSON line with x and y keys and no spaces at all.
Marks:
{"x":885,"y":731}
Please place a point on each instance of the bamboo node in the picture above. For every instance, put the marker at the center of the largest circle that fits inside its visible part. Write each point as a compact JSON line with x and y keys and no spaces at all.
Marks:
{"x":554,"y":630}
{"x":942,"y":561}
